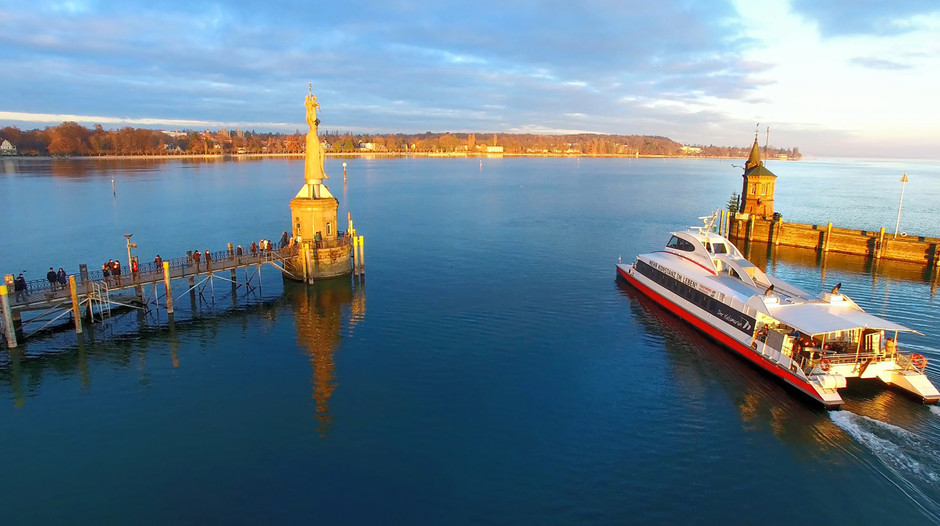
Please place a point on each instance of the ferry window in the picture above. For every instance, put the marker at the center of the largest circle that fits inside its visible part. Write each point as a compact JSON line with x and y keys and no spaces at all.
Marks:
{"x":680,"y":244}
{"x":719,"y":248}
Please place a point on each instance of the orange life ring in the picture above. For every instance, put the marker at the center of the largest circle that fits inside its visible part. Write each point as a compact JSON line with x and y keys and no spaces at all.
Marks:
{"x":919,"y":360}
{"x":824,"y":364}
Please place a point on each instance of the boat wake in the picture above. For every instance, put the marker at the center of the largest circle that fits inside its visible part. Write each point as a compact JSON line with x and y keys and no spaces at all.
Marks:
{"x":935,"y":410}
{"x":910,"y":459}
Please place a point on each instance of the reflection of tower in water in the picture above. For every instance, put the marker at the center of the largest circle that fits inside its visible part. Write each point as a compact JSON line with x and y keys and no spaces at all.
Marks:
{"x":318,"y":313}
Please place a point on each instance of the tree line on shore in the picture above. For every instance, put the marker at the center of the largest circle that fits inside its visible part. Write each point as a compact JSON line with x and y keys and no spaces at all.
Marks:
{"x":73,"y":139}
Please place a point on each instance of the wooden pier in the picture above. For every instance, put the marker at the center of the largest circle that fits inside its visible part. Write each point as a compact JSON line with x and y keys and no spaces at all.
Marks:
{"x":90,"y":297}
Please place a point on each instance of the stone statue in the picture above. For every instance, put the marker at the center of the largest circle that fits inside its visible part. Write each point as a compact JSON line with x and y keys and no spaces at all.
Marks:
{"x":314,"y":158}
{"x":312,"y":105}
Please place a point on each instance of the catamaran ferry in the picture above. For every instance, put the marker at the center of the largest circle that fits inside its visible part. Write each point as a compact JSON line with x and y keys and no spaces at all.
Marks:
{"x":813,"y":342}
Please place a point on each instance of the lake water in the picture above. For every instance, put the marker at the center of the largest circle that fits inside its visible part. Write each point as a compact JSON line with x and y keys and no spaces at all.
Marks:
{"x":489,"y":370}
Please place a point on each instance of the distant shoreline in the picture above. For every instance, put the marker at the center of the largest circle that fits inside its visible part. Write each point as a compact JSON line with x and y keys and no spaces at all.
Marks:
{"x":237,"y":156}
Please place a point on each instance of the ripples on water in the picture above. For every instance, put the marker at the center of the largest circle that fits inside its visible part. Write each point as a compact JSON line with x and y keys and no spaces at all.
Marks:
{"x":490,"y":371}
{"x":905,"y":458}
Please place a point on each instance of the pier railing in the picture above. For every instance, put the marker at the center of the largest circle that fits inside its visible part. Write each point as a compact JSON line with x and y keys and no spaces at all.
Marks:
{"x":42,"y":290}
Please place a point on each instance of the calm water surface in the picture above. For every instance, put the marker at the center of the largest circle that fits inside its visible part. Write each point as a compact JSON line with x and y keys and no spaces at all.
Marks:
{"x":491,"y":370}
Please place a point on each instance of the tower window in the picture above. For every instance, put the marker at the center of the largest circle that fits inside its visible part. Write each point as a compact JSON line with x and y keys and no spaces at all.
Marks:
{"x":329,"y":229}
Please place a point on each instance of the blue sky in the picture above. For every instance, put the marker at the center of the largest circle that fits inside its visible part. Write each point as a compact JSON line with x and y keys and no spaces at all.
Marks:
{"x":836,"y":78}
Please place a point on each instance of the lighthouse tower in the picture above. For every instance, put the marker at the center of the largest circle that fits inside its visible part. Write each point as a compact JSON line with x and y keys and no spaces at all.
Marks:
{"x":322,"y":252}
{"x":757,"y":196}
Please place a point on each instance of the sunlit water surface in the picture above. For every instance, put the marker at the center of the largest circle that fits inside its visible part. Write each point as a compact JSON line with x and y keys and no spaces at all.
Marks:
{"x":490,"y":370}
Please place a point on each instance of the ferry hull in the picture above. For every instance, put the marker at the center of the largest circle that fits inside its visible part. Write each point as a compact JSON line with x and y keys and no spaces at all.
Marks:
{"x":829,"y":399}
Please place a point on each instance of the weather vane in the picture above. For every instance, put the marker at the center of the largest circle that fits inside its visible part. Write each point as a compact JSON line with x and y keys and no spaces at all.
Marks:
{"x":310,"y":88}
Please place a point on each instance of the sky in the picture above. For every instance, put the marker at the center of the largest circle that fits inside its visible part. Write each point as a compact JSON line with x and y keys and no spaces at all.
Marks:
{"x":835,"y":78}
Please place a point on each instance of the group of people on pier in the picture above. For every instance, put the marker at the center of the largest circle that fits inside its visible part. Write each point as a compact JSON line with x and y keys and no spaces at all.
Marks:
{"x":58,"y":279}
{"x":112,"y":267}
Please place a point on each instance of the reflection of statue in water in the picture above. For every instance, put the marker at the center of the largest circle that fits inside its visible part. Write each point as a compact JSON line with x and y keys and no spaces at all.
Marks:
{"x":314,"y":159}
{"x":319,"y":319}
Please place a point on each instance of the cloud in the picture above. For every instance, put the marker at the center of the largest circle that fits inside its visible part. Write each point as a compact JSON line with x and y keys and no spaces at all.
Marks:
{"x":878,"y":63}
{"x":864,"y":17}
{"x":677,"y":68}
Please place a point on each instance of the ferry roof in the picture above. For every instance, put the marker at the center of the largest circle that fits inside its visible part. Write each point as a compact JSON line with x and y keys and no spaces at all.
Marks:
{"x":820,"y":318}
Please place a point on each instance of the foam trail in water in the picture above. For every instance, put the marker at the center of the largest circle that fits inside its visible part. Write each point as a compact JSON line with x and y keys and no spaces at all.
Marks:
{"x":897,"y":447}
{"x":935,"y":410}
{"x":909,"y":458}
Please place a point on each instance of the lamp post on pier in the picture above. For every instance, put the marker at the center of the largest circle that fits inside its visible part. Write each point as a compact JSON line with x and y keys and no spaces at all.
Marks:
{"x":129,"y":247}
{"x":898,"y":225}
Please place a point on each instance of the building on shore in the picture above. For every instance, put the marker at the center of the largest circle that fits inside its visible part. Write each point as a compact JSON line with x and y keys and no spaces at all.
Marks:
{"x":6,"y":148}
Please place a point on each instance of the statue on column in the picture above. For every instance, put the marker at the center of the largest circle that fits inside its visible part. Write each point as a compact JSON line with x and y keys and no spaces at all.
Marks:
{"x":314,"y":171}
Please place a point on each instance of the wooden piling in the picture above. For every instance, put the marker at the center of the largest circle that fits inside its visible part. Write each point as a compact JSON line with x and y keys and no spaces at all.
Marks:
{"x":362,"y":264}
{"x":305,"y":263}
{"x":76,"y":306}
{"x":169,"y":290}
{"x":828,"y":235}
{"x":881,"y":244}
{"x":778,"y":226}
{"x":8,"y":329}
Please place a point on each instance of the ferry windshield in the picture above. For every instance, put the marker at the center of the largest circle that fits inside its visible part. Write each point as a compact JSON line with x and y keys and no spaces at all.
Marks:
{"x":680,"y":244}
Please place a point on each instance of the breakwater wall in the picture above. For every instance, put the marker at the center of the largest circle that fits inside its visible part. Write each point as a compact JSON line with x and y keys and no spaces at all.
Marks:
{"x":876,"y":245}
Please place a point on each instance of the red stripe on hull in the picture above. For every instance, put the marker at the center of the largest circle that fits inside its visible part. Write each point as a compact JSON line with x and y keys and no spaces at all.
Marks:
{"x":690,"y":260}
{"x":721,"y":337}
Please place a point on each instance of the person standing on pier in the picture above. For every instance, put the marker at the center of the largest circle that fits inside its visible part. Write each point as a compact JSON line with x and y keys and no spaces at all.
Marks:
{"x":158,"y":261}
{"x":116,"y":270}
{"x":63,"y":278}
{"x":51,"y":278}
{"x":20,"y":288}
{"x":106,"y":272}
{"x":208,"y":261}
{"x":254,"y":248}
{"x":196,"y":257}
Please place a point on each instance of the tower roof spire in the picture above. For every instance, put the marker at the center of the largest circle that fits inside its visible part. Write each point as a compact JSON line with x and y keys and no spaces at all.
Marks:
{"x":754,"y":159}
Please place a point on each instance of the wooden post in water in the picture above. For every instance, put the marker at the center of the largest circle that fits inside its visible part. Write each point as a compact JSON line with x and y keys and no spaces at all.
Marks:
{"x":750,"y":228}
{"x":828,"y":235}
{"x":76,"y":306}
{"x":362,"y":263}
{"x":169,"y":291}
{"x":779,"y":225}
{"x":881,"y":244}
{"x":936,"y":263}
{"x":8,"y":329}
